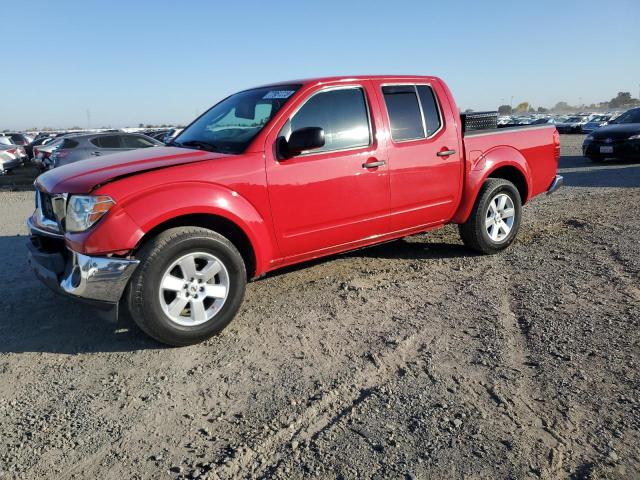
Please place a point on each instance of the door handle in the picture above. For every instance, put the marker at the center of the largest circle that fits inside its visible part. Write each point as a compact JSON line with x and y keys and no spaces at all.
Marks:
{"x":445,"y":153}
{"x":373,"y":164}
{"x":96,"y":154}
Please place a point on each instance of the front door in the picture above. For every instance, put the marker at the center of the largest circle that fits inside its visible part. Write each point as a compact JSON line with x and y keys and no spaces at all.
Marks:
{"x":336,"y":195}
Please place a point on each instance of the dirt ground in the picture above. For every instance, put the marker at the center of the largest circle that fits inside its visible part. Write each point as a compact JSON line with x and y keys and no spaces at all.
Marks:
{"x":415,"y":359}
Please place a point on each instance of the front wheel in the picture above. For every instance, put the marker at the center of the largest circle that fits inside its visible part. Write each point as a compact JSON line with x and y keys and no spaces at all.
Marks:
{"x":495,"y":218}
{"x":188,"y":287}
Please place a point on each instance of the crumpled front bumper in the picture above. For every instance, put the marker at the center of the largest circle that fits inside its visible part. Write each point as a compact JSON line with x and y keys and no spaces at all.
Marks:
{"x":100,"y":280}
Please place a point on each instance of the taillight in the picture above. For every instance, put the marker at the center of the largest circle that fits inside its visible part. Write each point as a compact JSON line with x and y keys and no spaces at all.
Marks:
{"x":12,"y":151}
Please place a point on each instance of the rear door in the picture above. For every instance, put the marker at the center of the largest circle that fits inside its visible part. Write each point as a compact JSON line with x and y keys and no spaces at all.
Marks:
{"x":425,"y":166}
{"x":337,"y":195}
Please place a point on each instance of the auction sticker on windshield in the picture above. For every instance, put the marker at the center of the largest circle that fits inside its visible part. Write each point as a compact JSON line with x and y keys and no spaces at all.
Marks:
{"x":278,"y":94}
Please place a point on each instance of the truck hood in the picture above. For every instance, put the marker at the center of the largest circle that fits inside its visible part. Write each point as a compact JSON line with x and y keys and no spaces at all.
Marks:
{"x":85,"y":175}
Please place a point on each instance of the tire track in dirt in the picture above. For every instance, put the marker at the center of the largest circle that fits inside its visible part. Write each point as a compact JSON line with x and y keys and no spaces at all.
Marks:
{"x":335,"y":405}
{"x":541,"y":426}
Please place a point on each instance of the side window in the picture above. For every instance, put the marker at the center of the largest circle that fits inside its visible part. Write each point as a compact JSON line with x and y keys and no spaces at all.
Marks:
{"x":430,"y":110}
{"x":68,"y":144}
{"x":404,"y":112}
{"x":134,"y":141}
{"x":107,"y":141}
{"x":343,"y":115}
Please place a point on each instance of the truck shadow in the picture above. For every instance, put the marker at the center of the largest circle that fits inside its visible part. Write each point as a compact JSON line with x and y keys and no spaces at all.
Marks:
{"x":35,"y":319}
{"x":579,"y":171}
{"x":398,"y":249}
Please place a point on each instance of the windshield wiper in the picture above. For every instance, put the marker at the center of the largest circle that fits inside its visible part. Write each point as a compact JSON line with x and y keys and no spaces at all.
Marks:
{"x":199,"y":144}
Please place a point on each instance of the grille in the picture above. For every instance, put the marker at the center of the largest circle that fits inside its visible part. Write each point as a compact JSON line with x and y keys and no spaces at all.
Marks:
{"x":47,"y":206}
{"x":613,"y":141}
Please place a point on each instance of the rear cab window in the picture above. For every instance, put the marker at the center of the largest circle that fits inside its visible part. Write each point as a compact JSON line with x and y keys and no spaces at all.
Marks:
{"x":413,"y":111}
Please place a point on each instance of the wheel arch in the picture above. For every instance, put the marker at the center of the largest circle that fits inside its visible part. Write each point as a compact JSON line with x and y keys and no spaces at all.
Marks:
{"x":515,"y":176}
{"x":206,"y":205}
{"x":215,"y":223}
{"x":500,"y":162}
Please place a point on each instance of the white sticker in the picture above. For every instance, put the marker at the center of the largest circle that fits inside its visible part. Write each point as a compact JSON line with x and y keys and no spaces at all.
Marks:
{"x":279,"y":94}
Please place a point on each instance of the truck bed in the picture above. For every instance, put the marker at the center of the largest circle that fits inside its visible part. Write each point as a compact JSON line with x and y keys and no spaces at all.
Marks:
{"x":537,"y":144}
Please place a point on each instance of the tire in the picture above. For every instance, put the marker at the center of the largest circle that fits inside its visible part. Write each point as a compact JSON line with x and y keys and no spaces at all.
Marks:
{"x":476,"y":233}
{"x":166,"y":261}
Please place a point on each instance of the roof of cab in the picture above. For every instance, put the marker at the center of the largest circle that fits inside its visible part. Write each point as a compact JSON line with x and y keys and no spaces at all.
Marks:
{"x":350,"y":78}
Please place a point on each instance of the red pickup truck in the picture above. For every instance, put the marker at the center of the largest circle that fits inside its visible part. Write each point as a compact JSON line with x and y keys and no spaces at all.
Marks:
{"x":273,"y":176}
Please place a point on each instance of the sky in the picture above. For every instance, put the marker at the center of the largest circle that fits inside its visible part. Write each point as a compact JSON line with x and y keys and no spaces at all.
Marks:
{"x":131,"y":62}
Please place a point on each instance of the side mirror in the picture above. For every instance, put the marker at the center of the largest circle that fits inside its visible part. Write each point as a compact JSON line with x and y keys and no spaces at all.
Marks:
{"x":303,"y":139}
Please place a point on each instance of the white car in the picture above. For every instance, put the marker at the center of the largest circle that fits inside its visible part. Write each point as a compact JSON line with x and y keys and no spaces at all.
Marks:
{"x":171,"y":134}
{"x":11,"y":156}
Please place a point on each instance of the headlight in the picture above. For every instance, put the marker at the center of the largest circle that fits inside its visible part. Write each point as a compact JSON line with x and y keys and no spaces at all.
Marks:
{"x":588,"y":138}
{"x":635,"y":137}
{"x":85,"y":210}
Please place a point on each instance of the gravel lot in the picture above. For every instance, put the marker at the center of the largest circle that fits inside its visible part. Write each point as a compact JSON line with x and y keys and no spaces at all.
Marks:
{"x":415,"y":359}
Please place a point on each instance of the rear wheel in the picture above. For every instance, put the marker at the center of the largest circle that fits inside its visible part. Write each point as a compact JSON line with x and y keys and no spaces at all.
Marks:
{"x":188,"y":287}
{"x":495,"y":218}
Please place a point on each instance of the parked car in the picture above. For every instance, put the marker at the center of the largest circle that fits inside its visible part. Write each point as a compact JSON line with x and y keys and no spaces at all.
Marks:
{"x":572,"y":124}
{"x":38,"y":141}
{"x":619,"y":139}
{"x":82,"y":147}
{"x":160,"y":136}
{"x":274,"y":176}
{"x":19,"y":138}
{"x":11,"y":156}
{"x":543,"y":121}
{"x":595,"y":123}
{"x":171,"y":134}
{"x":42,"y":153}
{"x":5,"y":140}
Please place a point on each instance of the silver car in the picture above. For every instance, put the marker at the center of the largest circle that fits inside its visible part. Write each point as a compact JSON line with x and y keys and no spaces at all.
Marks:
{"x":83,"y":147}
{"x":11,"y":156}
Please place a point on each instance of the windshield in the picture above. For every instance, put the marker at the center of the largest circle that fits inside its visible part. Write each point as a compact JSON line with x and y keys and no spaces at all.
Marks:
{"x":231,"y":125}
{"x":632,"y":116}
